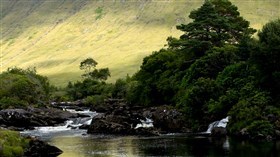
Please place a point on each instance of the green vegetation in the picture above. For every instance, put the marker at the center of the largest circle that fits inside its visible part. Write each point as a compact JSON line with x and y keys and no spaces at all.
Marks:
{"x":20,"y":88}
{"x":12,"y":144}
{"x":93,"y":88}
{"x":95,"y":74}
{"x":213,"y":70}
{"x":99,"y":13}
{"x":54,"y":36}
{"x":216,"y":68}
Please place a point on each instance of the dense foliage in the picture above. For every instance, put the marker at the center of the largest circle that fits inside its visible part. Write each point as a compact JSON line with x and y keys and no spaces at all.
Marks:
{"x":21,"y":87}
{"x":93,"y":87}
{"x":12,"y":144}
{"x":213,"y":70}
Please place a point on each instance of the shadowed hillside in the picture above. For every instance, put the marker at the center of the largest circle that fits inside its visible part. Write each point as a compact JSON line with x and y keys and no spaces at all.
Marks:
{"x":55,"y":36}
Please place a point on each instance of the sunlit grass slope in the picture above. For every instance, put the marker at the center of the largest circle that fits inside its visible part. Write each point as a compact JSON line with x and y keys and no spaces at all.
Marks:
{"x":56,"y":35}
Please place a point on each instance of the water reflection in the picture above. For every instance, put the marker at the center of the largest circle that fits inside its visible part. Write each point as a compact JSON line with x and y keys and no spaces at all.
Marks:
{"x":107,"y":146}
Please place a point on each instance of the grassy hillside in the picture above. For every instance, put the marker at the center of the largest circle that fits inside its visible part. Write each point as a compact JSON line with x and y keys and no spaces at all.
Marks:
{"x":55,"y":36}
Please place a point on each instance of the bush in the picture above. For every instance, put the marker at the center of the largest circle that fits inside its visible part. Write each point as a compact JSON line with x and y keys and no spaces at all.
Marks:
{"x":10,"y":102}
{"x":260,"y":128}
{"x":88,"y":87}
{"x":24,"y":85}
{"x":94,"y":100}
{"x":12,"y":143}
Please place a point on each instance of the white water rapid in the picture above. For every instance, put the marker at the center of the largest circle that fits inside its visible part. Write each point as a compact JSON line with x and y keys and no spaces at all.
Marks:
{"x":148,"y":123}
{"x":70,"y":127}
{"x":221,"y":123}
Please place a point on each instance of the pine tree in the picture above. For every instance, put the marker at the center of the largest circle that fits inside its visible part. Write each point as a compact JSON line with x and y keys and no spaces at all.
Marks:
{"x":215,"y":23}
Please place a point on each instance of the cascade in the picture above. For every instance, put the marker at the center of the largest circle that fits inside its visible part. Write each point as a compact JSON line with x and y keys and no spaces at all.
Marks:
{"x":148,"y":123}
{"x":221,"y":123}
{"x":69,"y":127}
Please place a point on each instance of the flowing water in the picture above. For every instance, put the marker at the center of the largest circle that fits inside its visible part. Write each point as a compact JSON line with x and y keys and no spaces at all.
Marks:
{"x":75,"y":142}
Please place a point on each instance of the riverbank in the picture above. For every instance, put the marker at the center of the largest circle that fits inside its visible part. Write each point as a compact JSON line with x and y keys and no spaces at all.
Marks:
{"x":12,"y":144}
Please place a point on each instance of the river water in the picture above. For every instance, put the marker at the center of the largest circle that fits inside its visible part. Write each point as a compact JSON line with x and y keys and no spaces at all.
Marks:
{"x":76,"y":142}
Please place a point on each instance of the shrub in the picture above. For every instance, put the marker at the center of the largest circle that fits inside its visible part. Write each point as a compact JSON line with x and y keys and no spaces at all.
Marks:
{"x":10,"y":102}
{"x":94,"y":100}
{"x":12,"y":143}
{"x":260,"y":127}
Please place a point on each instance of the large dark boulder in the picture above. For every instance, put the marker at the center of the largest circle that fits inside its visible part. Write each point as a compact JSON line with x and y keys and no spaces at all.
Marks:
{"x":122,"y":120}
{"x":108,"y":124}
{"x":31,"y":117}
{"x":166,"y":119}
{"x":117,"y":125}
{"x":15,"y":117}
{"x":38,"y":148}
{"x":218,"y":132}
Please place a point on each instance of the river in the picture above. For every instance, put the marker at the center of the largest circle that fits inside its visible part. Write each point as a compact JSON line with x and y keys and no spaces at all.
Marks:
{"x":76,"y":142}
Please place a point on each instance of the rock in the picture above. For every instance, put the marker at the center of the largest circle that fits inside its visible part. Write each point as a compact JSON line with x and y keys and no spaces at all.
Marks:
{"x":277,"y":134}
{"x":243,"y":134}
{"x":166,"y":119}
{"x":120,"y":118}
{"x":39,"y":148}
{"x":31,"y":117}
{"x":110,"y":105}
{"x":121,"y":121}
{"x":111,"y":124}
{"x":15,"y":117}
{"x":218,"y":132}
{"x":146,"y":132}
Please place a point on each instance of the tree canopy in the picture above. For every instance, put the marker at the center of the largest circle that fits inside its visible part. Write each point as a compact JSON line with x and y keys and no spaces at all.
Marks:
{"x":215,"y":23}
{"x":216,"y":69}
{"x":89,"y":65}
{"x":21,"y":87}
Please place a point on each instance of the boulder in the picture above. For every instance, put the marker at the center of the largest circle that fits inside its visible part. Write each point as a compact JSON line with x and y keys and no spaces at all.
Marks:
{"x":166,"y":119}
{"x":122,"y":121}
{"x":38,"y":148}
{"x":120,"y":118}
{"x":31,"y":117}
{"x":111,"y":124}
{"x":277,"y":134}
{"x":218,"y":132}
{"x":15,"y":117}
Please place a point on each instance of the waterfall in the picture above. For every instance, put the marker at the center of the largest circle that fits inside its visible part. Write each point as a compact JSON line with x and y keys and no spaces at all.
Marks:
{"x":221,"y":123}
{"x":82,"y":121}
{"x":148,"y":123}
{"x":69,"y":126}
{"x":46,"y":129}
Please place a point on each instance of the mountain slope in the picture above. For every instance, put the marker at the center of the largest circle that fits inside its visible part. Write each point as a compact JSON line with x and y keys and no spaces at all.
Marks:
{"x":55,"y":36}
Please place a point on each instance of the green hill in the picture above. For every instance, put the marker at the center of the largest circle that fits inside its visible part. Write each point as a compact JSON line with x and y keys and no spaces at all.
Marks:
{"x":55,"y":36}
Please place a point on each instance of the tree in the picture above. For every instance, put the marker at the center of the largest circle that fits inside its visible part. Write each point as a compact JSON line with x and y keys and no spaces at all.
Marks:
{"x":99,"y":74}
{"x":87,"y":65}
{"x":95,"y":74}
{"x":267,"y":57}
{"x":157,"y":78}
{"x":18,"y":86}
{"x":215,"y":23}
{"x":93,"y":85}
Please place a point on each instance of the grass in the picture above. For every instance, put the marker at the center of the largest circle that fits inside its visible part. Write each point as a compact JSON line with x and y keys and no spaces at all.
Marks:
{"x":12,"y":144}
{"x":62,"y":35}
